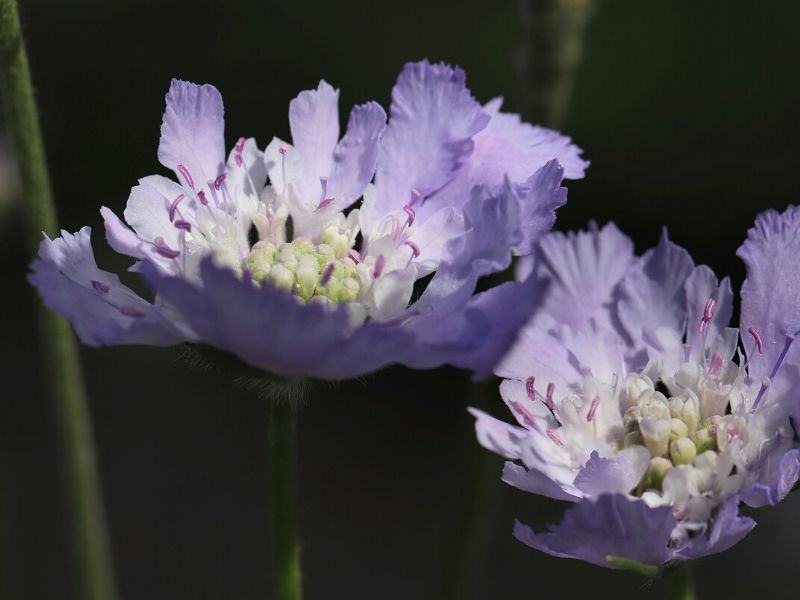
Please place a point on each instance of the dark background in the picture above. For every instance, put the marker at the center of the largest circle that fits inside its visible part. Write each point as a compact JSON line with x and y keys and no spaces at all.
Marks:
{"x":688,"y":112}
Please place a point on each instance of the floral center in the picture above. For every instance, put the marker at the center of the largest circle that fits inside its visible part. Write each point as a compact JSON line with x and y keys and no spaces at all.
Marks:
{"x":309,"y":270}
{"x":688,"y":429}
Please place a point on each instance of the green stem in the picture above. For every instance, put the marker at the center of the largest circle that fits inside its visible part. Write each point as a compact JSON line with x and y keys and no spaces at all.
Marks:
{"x":682,"y":584}
{"x":286,"y":551}
{"x":57,"y":344}
{"x":552,"y":48}
{"x":473,"y":519}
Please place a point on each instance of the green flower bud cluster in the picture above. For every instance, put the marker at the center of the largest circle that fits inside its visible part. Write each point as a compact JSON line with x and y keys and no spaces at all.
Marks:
{"x":300,"y":267}
{"x":671,"y":431}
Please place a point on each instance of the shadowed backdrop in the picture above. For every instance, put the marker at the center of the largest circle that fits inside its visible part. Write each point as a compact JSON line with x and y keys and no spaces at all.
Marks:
{"x":688,"y":112}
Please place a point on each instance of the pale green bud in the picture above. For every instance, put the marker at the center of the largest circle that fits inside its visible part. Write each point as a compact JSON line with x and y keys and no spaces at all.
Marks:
{"x":656,"y":472}
{"x":656,"y":435}
{"x":678,"y":429}
{"x":682,"y":451}
{"x":307,"y":278}
{"x":260,"y":260}
{"x":281,"y":277}
{"x":687,"y":409}
{"x":635,"y":385}
{"x":704,"y":440}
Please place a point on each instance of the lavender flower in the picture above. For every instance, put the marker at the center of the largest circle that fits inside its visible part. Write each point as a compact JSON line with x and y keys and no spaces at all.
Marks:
{"x":635,"y":401}
{"x":457,"y":187}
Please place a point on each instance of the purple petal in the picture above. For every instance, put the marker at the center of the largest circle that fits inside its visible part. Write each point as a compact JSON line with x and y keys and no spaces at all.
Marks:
{"x":584,"y":269}
{"x":727,"y":529}
{"x":652,"y":294}
{"x":492,"y":232}
{"x":539,"y":353}
{"x":509,"y":148}
{"x":609,"y":525}
{"x":192,"y":132}
{"x":356,"y":154}
{"x":617,"y":475}
{"x":496,"y":435}
{"x":100,"y":308}
{"x":477,"y":334}
{"x":433,"y":120}
{"x":314,"y":122}
{"x":269,"y":328}
{"x":122,"y":239}
{"x":701,"y":286}
{"x":531,"y":480}
{"x":777,"y":477}
{"x":539,"y":198}
{"x":771,"y":292}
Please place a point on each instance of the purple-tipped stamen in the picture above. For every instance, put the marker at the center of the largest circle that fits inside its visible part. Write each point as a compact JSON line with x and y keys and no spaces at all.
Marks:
{"x":323,"y":183}
{"x":380,"y":263}
{"x":183,"y":225}
{"x":549,"y":398}
{"x":326,"y":275}
{"x":283,"y":149}
{"x":173,"y":207}
{"x":554,"y":436}
{"x":100,"y":287}
{"x":324,"y":204}
{"x":164,"y":250}
{"x":527,"y":417}
{"x":757,"y":337}
{"x":708,"y":311}
{"x":219,"y":181}
{"x":412,"y":215}
{"x":186,"y":175}
{"x":201,"y":195}
{"x":356,"y":256}
{"x":238,"y":149}
{"x":593,"y":408}
{"x":131,"y":311}
{"x":531,"y":391}
{"x":414,"y":248}
{"x":716,"y":363}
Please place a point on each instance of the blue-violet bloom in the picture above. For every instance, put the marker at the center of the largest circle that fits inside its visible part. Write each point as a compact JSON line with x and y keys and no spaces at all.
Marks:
{"x":288,"y":275}
{"x":637,"y":402}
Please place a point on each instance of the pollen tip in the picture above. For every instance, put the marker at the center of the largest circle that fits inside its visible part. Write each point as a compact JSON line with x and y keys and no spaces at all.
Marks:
{"x":186,"y":175}
{"x":757,"y":337}
{"x":414,"y":248}
{"x":173,"y":207}
{"x":355,"y":255}
{"x":100,"y":287}
{"x":593,"y":408}
{"x":283,"y":149}
{"x":201,"y":195}
{"x":183,"y":225}
{"x":380,"y":263}
{"x":326,"y":275}
{"x":324,"y":204}
{"x":219,"y":181}
{"x":529,"y":388}
{"x":412,"y":215}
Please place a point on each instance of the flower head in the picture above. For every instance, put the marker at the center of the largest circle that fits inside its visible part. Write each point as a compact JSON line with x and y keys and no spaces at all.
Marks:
{"x":264,"y":255}
{"x":636,"y":401}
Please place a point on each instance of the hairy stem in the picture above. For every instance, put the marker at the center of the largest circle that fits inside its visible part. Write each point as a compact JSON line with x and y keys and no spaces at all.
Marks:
{"x":286,"y":551}
{"x":57,"y":344}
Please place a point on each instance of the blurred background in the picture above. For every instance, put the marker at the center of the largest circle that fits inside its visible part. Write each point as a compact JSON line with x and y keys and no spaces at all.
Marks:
{"x":688,"y":112}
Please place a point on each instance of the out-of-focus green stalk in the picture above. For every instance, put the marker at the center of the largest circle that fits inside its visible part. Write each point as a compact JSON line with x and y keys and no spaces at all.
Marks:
{"x":58,"y":348}
{"x":682,"y":583}
{"x":550,"y":53}
{"x":285,"y":547}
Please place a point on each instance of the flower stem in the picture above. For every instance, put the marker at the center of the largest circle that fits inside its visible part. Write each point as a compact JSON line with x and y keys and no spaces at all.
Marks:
{"x":552,"y":48}
{"x":57,"y":344}
{"x":286,"y":551}
{"x":682,"y":584}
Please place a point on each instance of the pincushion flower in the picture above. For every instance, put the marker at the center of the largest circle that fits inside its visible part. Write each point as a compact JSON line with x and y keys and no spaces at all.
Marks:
{"x":288,"y":275}
{"x":635,"y":401}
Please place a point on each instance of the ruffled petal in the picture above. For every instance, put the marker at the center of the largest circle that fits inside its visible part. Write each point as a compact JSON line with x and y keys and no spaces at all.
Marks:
{"x":100,"y":308}
{"x":701,"y":286}
{"x":583,"y":269}
{"x":611,"y":525}
{"x":496,"y":435}
{"x":727,"y":529}
{"x":529,"y":480}
{"x":356,"y":155}
{"x":778,"y":475}
{"x":652,"y":294}
{"x":314,"y":122}
{"x":771,"y":292}
{"x":433,"y":119}
{"x":510,"y":148}
{"x":266,"y":327}
{"x":616,"y":475}
{"x":193,"y":133}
